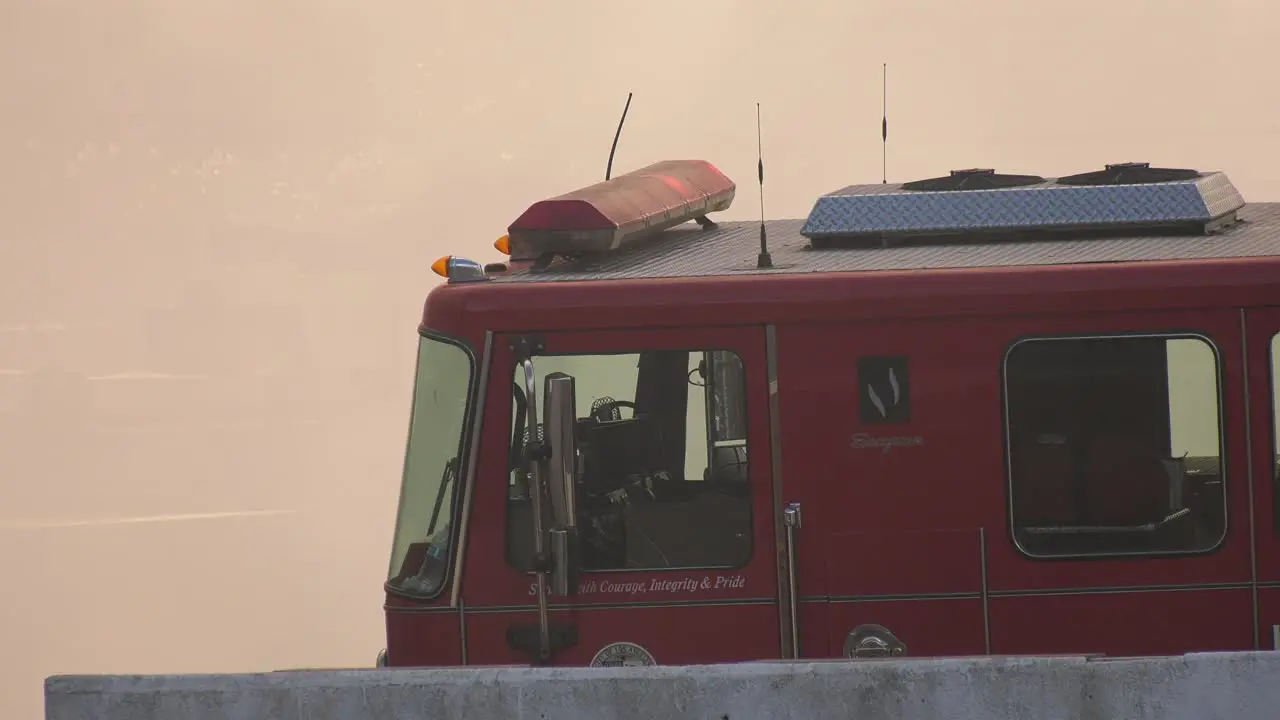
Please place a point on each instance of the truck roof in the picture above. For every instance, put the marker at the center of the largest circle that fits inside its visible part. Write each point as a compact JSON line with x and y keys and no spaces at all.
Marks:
{"x":730,"y":248}
{"x":633,"y":250}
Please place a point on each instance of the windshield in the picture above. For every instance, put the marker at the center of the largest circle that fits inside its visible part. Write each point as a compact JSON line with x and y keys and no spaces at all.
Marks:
{"x":442,"y":387}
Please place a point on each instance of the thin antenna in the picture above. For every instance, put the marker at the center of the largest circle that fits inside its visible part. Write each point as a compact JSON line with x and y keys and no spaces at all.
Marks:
{"x":884,"y":125}
{"x":764,"y":260}
{"x":608,"y":171}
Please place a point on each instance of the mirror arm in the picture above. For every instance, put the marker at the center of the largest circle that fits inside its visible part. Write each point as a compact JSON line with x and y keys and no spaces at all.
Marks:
{"x":537,"y":492}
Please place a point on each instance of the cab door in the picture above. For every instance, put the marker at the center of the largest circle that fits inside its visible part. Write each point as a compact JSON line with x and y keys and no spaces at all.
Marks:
{"x":1021,"y":484}
{"x":1128,"y":480}
{"x":891,"y":443}
{"x":1262,"y":326}
{"x":673,"y":496}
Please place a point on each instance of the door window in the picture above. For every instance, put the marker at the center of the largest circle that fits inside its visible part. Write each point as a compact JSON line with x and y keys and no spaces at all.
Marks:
{"x":663,"y":444}
{"x":1114,"y":446}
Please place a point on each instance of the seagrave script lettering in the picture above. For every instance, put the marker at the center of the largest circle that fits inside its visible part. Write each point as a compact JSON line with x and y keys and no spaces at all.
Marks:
{"x":706,"y":583}
{"x":863,"y":441}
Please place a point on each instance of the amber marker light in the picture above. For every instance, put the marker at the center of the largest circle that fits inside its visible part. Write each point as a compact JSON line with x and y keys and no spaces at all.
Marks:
{"x":441,"y":266}
{"x":456,"y":269}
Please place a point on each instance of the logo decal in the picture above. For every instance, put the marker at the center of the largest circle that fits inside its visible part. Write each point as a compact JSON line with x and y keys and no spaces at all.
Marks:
{"x":884,"y":387}
{"x":863,"y":441}
{"x":622,"y":654}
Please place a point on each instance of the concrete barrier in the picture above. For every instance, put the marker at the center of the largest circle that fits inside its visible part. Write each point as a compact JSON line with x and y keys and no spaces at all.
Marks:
{"x":1230,"y":686}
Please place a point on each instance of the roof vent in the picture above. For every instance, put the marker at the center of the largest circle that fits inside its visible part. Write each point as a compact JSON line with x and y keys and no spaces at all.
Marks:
{"x":972,"y":179}
{"x":1130,"y":173}
{"x":971,"y":206}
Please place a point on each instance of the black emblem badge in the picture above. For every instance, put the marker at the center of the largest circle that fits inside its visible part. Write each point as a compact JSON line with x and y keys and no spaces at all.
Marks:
{"x":884,"y":389}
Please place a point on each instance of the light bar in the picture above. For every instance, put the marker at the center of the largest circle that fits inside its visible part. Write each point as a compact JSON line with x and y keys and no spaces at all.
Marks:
{"x":619,"y":211}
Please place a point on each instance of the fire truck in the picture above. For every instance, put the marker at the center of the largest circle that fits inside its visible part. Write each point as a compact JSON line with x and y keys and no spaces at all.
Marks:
{"x":979,"y":413}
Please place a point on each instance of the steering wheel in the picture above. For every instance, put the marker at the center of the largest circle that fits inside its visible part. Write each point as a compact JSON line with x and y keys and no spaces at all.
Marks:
{"x":606,"y":408}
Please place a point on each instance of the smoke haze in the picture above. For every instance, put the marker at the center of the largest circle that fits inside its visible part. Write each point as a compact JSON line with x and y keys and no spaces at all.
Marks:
{"x":218,"y":218}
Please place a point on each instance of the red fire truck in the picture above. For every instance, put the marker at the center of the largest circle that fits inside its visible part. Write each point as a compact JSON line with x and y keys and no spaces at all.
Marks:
{"x":973,"y":414}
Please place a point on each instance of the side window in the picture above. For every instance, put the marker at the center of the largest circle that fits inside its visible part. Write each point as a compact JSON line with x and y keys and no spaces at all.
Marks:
{"x":1114,"y":446}
{"x":663,"y":480}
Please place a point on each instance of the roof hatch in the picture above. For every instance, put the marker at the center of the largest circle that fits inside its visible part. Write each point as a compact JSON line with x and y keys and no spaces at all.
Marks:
{"x":974,"y":179}
{"x":1130,"y":173}
{"x":974,"y":205}
{"x":619,"y":211}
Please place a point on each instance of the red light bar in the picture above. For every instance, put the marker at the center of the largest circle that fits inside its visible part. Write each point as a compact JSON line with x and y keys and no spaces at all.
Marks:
{"x":619,"y":211}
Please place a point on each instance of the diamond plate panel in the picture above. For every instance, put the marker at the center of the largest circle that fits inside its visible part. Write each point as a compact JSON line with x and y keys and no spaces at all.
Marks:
{"x":872,"y":209}
{"x":1220,"y":196}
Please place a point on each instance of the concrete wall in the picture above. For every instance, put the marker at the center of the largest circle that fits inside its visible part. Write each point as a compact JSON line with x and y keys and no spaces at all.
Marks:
{"x":1234,"y":686}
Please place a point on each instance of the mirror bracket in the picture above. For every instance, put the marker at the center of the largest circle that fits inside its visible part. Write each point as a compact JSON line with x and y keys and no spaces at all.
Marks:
{"x":537,"y":450}
{"x":525,"y":638}
{"x":525,"y":347}
{"x":542,"y":562}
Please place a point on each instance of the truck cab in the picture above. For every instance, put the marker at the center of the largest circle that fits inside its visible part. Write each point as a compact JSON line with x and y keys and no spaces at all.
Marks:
{"x":972,"y":414}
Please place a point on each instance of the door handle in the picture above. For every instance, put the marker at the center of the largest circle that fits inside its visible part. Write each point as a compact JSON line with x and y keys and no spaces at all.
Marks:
{"x":792,"y":519}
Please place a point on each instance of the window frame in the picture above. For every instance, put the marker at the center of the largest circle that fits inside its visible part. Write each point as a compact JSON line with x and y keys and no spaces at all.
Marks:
{"x":750,"y":494}
{"x":1007,"y":440}
{"x":1273,"y":457}
{"x":469,"y":417}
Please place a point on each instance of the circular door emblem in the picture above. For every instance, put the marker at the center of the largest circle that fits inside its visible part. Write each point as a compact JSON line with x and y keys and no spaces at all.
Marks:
{"x":622,"y":654}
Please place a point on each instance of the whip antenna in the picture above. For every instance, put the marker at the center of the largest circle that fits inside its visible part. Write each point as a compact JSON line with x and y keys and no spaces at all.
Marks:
{"x":764,"y":260}
{"x":608,"y":170}
{"x":884,"y":124}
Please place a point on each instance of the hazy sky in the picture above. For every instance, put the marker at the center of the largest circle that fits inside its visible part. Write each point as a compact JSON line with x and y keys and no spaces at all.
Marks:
{"x":219,"y":217}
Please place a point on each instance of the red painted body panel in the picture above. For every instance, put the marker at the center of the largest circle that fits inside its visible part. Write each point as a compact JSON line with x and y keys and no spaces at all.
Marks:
{"x":814,"y":618}
{"x":927,"y":521}
{"x":1157,"y":622}
{"x":431,"y":638}
{"x":1269,"y":616}
{"x":911,"y":562}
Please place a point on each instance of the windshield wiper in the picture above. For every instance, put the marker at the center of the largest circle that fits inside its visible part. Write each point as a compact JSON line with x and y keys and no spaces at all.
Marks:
{"x":447,"y":477}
